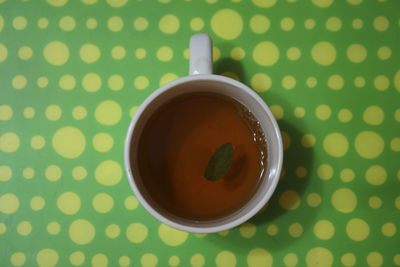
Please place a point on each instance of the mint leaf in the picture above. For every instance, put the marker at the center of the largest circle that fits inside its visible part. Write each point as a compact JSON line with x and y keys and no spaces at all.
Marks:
{"x":219,"y":163}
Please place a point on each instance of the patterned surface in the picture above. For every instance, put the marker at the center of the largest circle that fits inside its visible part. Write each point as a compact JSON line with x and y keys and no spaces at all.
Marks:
{"x":72,"y":73}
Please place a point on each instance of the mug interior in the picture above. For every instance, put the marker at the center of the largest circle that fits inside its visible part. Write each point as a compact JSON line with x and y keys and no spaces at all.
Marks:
{"x":212,"y":84}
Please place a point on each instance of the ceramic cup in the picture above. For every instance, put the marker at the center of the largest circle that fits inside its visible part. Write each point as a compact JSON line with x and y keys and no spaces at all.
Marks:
{"x":201,"y":79}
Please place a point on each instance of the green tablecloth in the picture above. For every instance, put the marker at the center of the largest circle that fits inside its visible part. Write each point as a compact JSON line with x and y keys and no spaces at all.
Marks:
{"x":72,"y":73}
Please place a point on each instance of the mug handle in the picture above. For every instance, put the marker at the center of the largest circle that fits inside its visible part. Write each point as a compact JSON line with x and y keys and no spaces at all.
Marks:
{"x":200,"y":58}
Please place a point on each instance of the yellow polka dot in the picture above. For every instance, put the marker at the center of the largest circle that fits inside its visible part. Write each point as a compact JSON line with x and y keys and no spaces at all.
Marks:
{"x":28,"y":173}
{"x":359,"y":82}
{"x":67,"y":82}
{"x":25,"y":52}
{"x":91,"y":23}
{"x":99,"y":260}
{"x":91,"y":82}
{"x":333,"y":24}
{"x":67,"y":23}
{"x":149,"y":260}
{"x":289,"y":200}
{"x":287,"y":24}
{"x":376,"y":175}
{"x":169,"y":24}
{"x":261,"y":82}
{"x":171,"y":236}
{"x":57,"y":3}
{"x":286,"y":140}
{"x":373,"y":115}
{"x":89,"y":53}
{"x":323,"y":112}
{"x":324,"y":53}
{"x":173,"y":261}
{"x":69,"y":142}
{"x":3,"y":228}
{"x":356,"y":53}
{"x":354,"y":2}
{"x":293,"y":53}
{"x":357,"y":23}
{"x":29,"y":112}
{"x":79,"y":173}
{"x":295,"y":230}
{"x":314,"y":200}
{"x":309,"y":24}
{"x":103,"y":142}
{"x":322,"y":3}
{"x":118,"y":52}
{"x":131,"y":203}
{"x":381,"y":82}
{"x":112,"y":231}
{"x":108,"y":113}
{"x":264,"y":3}
{"x":124,"y":261}
{"x":384,"y":53}
{"x":336,"y":145}
{"x":375,"y":202}
{"x":56,"y":53}
{"x":136,"y":233}
{"x":42,"y":82}
{"x":336,"y":82}
{"x":299,"y":112}
{"x":43,"y":23}
{"x":81,"y":231}
{"x":224,"y":233}
{"x":225,"y":259}
{"x":37,"y":203}
{"x":115,"y":24}
{"x":396,"y":80}
{"x":140,"y":53}
{"x":325,"y":171}
{"x":53,"y":112}
{"x":259,"y":24}
{"x":89,"y":2}
{"x":77,"y":258}
{"x":357,"y":229}
{"x":79,"y":113}
{"x":133,"y":110}
{"x":259,"y":257}
{"x":227,"y":24}
{"x":272,"y":230}
{"x":140,"y":24}
{"x":395,"y":144}
{"x":53,"y":228}
{"x":389,"y":229}
{"x":369,"y":144}
{"x":197,"y":260}
{"x":18,"y":259}
{"x":168,"y":77}
{"x":397,"y":203}
{"x":348,"y":259}
{"x":345,"y":115}
{"x":24,"y":228}
{"x":115,"y":82}
{"x":247,"y":230}
{"x":277,"y":111}
{"x":381,"y":23}
{"x":319,"y":257}
{"x":290,"y":260}
{"x":19,"y":23}
{"x":266,"y":53}
{"x":165,"y":53}
{"x":9,"y":142}
{"x":103,"y":203}
{"x":6,"y":112}
{"x":288,"y":82}
{"x":196,"y":24}
{"x":311,"y":82}
{"x":1,"y":23}
{"x":69,"y":203}
{"x":344,"y":200}
{"x":19,"y":82}
{"x":117,"y":3}
{"x":108,"y":173}
{"x":308,"y":140}
{"x":47,"y":257}
{"x":3,"y":53}
{"x":5,"y":173}
{"x":324,"y":229}
{"x":301,"y":172}
{"x":347,"y":175}
{"x":374,"y":259}
{"x":141,"y":82}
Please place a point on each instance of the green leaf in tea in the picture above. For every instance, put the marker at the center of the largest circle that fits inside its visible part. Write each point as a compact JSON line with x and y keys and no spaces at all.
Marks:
{"x":220,"y":162}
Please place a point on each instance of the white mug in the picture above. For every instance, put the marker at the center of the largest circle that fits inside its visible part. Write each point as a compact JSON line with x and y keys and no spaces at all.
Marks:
{"x":201,"y":79}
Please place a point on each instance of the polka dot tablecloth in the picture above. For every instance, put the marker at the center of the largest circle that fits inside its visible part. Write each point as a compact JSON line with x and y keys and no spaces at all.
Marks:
{"x":73,"y":73}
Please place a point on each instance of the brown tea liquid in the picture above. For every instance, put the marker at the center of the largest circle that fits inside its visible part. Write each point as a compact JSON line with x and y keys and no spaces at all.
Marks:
{"x":178,"y":141}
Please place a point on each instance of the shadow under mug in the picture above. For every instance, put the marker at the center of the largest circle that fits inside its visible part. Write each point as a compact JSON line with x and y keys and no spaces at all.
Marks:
{"x":201,"y":79}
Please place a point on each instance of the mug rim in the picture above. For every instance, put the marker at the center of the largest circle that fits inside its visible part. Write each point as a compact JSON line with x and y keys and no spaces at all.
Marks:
{"x":127,"y":157}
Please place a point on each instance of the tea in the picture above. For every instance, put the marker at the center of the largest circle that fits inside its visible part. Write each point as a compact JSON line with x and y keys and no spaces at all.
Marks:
{"x":177,"y":143}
